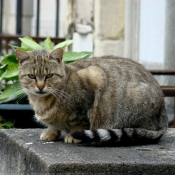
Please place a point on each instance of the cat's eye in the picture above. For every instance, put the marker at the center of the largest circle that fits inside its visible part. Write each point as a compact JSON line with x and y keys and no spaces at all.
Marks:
{"x":32,"y":76}
{"x":49,"y":75}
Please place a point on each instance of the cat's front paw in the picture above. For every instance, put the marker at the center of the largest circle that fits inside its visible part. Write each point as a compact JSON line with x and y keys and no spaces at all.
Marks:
{"x":69,"y":139}
{"x":50,"y":135}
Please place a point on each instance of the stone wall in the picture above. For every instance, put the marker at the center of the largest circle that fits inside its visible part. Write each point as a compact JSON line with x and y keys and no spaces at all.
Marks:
{"x":109,"y":27}
{"x":79,"y":24}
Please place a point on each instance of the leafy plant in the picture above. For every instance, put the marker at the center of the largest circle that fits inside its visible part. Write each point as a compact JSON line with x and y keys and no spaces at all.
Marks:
{"x":10,"y":88}
{"x":6,"y":124}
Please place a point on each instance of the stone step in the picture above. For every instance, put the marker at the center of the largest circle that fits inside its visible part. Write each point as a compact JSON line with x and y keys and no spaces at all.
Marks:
{"x":22,"y":152}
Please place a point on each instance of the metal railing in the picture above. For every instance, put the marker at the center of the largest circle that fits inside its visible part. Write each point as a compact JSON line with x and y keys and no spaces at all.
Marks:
{"x":19,"y":9}
{"x":7,"y":39}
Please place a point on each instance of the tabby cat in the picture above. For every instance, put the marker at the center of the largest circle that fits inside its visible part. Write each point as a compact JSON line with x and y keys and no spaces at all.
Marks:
{"x":97,"y":100}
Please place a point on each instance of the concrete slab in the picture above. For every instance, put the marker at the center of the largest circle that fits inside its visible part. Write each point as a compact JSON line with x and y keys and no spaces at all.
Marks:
{"x":21,"y":152}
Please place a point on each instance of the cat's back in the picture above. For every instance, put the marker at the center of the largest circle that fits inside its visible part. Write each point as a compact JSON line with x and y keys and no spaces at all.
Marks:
{"x":117,"y":68}
{"x":110,"y":63}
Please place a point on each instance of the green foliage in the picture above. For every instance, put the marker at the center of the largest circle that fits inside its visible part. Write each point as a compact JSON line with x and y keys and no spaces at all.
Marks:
{"x":10,"y":71}
{"x":73,"y":56}
{"x":6,"y":124}
{"x":11,"y":92}
{"x":9,"y":66}
{"x":63,"y":44}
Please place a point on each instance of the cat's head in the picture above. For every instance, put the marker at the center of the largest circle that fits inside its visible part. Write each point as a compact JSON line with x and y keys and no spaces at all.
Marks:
{"x":40,"y":71}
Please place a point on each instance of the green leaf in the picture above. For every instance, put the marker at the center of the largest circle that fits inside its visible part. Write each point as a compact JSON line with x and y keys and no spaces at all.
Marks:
{"x":88,"y":53}
{"x":63,"y":44}
{"x":11,"y":71}
{"x":11,"y":92}
{"x":19,"y":48}
{"x":47,"y":44}
{"x":3,"y":66}
{"x":3,"y":69}
{"x":14,"y":47}
{"x":9,"y":59}
{"x":23,"y":45}
{"x":30,"y":43}
{"x":73,"y":56}
{"x":11,"y":74}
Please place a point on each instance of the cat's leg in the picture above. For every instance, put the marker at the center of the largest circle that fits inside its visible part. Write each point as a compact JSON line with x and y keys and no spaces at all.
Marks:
{"x":95,"y":77}
{"x":51,"y":134}
{"x":97,"y":120}
{"x":75,"y":127}
{"x":135,"y":116}
{"x":98,"y":115}
{"x":107,"y":134}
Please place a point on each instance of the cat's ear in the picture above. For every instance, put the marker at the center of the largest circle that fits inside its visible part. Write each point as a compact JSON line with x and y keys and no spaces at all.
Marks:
{"x":22,"y":56}
{"x":57,"y":55}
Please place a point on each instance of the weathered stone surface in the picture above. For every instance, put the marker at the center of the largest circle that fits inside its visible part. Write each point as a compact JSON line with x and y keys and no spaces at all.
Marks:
{"x":22,"y":152}
{"x":109,"y":19}
{"x":108,"y":47}
{"x":109,"y":27}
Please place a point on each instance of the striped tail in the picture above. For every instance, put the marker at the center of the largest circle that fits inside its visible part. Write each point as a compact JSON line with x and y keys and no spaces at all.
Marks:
{"x":116,"y":136}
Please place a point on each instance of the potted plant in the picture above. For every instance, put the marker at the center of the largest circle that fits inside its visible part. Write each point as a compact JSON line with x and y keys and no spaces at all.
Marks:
{"x":13,"y":101}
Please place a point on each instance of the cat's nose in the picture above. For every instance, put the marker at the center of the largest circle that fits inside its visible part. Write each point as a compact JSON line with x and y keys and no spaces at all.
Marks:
{"x":40,"y":87}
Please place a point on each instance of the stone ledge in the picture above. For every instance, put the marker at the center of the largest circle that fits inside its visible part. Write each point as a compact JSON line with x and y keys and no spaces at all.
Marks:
{"x":22,"y":152}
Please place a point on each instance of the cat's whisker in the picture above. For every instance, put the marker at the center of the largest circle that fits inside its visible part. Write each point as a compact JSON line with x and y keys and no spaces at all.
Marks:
{"x":55,"y":95}
{"x":28,"y":91}
{"x":15,"y":89}
{"x":58,"y":96}
{"x":58,"y":99}
{"x":61,"y":95}
{"x":19,"y":98}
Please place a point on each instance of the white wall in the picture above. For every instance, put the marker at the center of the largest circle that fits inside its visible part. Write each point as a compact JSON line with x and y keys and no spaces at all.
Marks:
{"x":62,"y":23}
{"x":9,"y":17}
{"x":152,"y":31}
{"x":48,"y":18}
{"x":83,"y":33}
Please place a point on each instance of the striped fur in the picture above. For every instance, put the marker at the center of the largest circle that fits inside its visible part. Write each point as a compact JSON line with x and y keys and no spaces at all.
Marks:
{"x":126,"y":136}
{"x":97,"y":100}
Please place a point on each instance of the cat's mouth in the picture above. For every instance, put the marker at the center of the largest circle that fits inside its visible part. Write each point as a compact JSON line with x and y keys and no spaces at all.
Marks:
{"x":41,"y":92}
